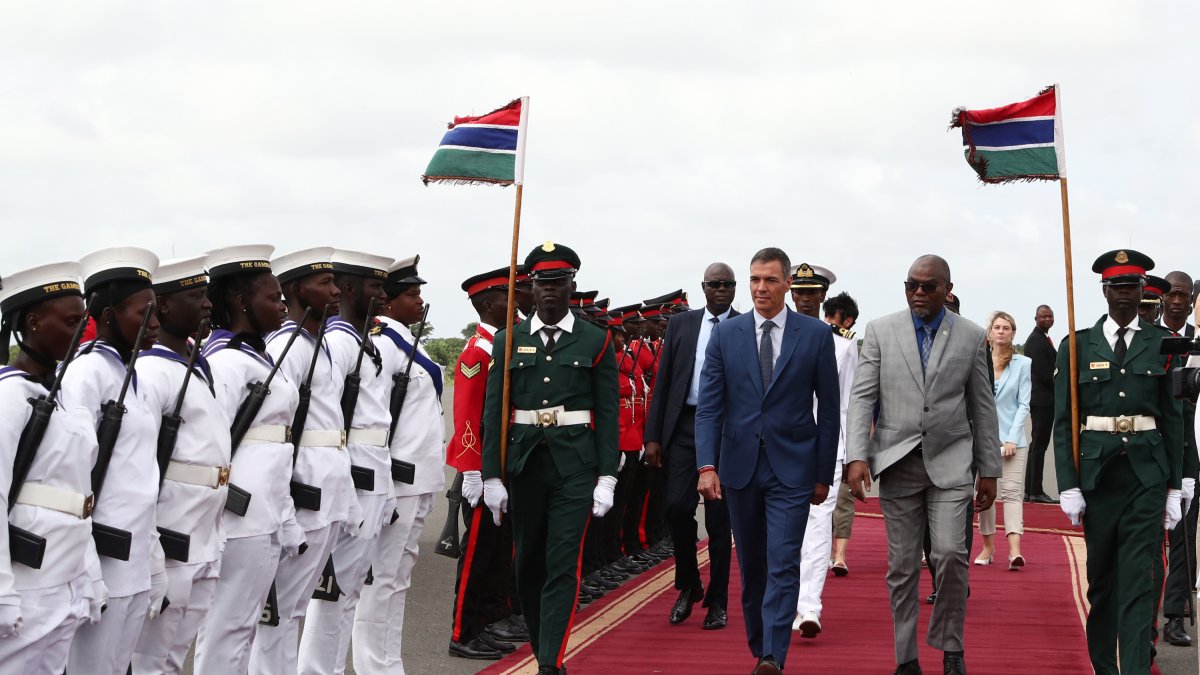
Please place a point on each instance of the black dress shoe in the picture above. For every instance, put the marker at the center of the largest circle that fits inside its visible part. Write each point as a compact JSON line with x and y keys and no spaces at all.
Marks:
{"x":682,"y":608}
{"x":490,"y":640}
{"x":953,"y":664}
{"x":1043,"y":499}
{"x":716,"y":618}
{"x":931,"y":598}
{"x":507,"y":630}
{"x":908,"y":668}
{"x":473,"y":650}
{"x":1176,"y":634}
{"x":767,"y":665}
{"x":548,"y":670}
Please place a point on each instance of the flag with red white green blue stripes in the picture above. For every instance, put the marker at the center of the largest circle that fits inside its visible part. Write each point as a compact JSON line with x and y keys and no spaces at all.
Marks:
{"x":1019,"y":141}
{"x":483,"y":149}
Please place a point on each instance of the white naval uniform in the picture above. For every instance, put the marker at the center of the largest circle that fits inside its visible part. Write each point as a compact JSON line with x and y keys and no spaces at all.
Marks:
{"x":419,"y":439}
{"x":818,"y":534}
{"x":53,"y":599}
{"x":328,"y":626}
{"x":184,"y":504}
{"x":324,"y":466}
{"x":252,"y":545}
{"x":127,"y":502}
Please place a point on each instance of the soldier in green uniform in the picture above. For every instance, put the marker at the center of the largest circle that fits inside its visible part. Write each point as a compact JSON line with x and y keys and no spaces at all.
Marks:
{"x":1130,"y":464}
{"x":562,"y":447}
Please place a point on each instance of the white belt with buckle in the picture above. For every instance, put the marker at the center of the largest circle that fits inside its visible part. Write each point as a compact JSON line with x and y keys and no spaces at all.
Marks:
{"x":269,"y":433}
{"x":56,"y":499}
{"x":1120,"y":425}
{"x":552,"y":417}
{"x":195,"y":474}
{"x":323,"y":439}
{"x":376,"y":437}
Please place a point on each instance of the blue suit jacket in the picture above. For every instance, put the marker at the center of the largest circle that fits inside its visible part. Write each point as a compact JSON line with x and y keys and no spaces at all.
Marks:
{"x":734,"y":412}
{"x":1012,"y":400}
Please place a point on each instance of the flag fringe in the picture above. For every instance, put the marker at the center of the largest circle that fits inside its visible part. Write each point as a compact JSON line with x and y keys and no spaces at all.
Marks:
{"x":506,"y":106}
{"x":465,"y":180}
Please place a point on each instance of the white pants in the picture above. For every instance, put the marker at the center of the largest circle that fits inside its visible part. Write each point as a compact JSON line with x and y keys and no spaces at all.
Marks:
{"x":379,"y":621}
{"x":247,"y":570}
{"x":327,"y":628}
{"x":106,"y":648}
{"x":814,"y":554}
{"x":165,"y":640}
{"x":274,"y":649}
{"x":51,"y":617}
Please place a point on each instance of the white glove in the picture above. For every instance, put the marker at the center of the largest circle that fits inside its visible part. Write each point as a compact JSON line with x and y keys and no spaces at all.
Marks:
{"x":1174,"y":512}
{"x":621,"y":463}
{"x":158,"y":591}
{"x":1071,"y":502}
{"x":10,"y":621}
{"x":353,"y":527}
{"x":292,"y":538}
{"x":495,"y":497}
{"x":602,"y":496}
{"x":641,"y":453}
{"x":96,"y":592}
{"x":1189,"y":493}
{"x":472,"y":487}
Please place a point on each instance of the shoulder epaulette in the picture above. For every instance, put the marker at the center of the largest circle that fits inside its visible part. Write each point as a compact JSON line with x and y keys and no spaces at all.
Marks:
{"x":838,"y":330}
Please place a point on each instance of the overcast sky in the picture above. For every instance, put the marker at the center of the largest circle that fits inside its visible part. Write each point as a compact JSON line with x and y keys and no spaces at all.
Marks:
{"x":663,"y":136}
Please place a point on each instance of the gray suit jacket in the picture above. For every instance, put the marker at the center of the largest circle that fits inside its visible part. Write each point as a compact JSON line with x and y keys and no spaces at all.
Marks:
{"x":950,"y":411}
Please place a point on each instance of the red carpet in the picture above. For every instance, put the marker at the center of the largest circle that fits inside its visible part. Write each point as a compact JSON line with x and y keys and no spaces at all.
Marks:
{"x":1028,"y":621}
{"x":1041,"y":518}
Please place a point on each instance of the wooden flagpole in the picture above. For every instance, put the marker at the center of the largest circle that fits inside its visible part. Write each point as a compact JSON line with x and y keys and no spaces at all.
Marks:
{"x":1071,"y":341}
{"x":519,"y":180}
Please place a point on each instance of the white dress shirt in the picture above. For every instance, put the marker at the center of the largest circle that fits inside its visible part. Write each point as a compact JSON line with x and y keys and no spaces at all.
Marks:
{"x":706,"y":326}
{"x":776,"y":333}
{"x":1110,"y":331}
{"x":566,"y":324}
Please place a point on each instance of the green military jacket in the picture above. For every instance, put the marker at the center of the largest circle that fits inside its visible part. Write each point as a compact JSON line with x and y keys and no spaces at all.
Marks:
{"x":580,"y":373}
{"x":1139,"y":386}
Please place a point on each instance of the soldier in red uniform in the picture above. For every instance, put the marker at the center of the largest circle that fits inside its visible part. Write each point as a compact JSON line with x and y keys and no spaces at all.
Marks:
{"x":483,"y":616}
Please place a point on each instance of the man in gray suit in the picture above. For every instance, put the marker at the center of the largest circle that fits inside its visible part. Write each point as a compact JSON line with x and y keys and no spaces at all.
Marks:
{"x":928,"y":371}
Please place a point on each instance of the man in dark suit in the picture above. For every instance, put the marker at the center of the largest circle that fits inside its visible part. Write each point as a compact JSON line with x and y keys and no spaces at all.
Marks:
{"x":1040,"y":350}
{"x":760,"y":445}
{"x":671,"y":424}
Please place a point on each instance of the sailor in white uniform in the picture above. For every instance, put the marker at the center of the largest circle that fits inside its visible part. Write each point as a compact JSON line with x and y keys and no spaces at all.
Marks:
{"x":194,"y":475}
{"x":418,"y":457}
{"x":810,"y":284}
{"x":247,"y":305}
{"x":43,"y":602}
{"x":125,"y":506}
{"x":322,"y":490}
{"x":360,"y":278}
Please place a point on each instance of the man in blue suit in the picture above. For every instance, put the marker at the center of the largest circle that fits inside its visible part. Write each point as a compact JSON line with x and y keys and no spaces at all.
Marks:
{"x":759,"y":446}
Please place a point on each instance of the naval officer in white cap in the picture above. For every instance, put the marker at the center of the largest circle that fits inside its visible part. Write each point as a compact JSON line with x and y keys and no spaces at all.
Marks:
{"x":42,"y":603}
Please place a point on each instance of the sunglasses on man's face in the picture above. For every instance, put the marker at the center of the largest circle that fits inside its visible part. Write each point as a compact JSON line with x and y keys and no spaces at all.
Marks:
{"x":715,"y":284}
{"x":927,"y":286}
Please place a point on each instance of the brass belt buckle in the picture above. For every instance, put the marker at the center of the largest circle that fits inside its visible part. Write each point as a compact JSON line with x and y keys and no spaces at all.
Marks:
{"x":1124,"y":425}
{"x":343,"y":439}
{"x":287,"y":434}
{"x":88,"y":502}
{"x":547,"y":418}
{"x":222,"y":477}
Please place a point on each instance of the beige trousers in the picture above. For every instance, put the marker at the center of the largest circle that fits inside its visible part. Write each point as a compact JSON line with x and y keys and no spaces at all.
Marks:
{"x":1010,"y":491}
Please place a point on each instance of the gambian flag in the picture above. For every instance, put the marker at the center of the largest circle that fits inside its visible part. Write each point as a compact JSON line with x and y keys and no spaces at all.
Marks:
{"x":1020,"y":141}
{"x":484,"y":149}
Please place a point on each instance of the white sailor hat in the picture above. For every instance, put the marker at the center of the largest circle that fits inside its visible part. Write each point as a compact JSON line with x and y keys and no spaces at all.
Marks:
{"x":812,"y":276}
{"x":302,"y":263}
{"x":31,"y":286}
{"x":231,"y":260}
{"x":359,"y":263}
{"x":180,"y":274}
{"x":405,"y":271}
{"x":122,"y":263}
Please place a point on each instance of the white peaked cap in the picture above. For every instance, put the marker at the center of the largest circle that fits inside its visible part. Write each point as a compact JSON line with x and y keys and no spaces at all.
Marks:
{"x":362,"y":264}
{"x":237,"y":259}
{"x":302,"y":263}
{"x":31,"y":286}
{"x":122,"y":263}
{"x":180,"y":274}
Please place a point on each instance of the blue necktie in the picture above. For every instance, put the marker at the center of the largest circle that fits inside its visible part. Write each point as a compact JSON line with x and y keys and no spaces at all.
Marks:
{"x":926,"y":345}
{"x":766,"y":354}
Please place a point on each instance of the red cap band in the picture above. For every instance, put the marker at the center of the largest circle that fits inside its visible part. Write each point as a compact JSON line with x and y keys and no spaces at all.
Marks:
{"x":1123,"y":271}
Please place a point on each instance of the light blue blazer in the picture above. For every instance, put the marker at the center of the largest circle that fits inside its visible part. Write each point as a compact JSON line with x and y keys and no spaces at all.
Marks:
{"x":1012,"y":400}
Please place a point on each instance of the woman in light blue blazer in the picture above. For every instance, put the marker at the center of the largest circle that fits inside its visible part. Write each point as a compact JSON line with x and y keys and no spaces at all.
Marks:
{"x":1012,"y":388}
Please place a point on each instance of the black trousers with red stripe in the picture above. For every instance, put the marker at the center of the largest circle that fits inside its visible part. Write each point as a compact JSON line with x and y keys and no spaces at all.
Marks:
{"x":484,"y":587}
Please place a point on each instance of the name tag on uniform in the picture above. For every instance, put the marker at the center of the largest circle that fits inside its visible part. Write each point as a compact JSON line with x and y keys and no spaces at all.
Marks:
{"x":526,"y":350}
{"x":1099,"y":365}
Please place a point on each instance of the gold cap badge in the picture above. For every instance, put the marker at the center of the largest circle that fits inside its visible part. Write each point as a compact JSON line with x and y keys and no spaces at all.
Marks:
{"x":548,"y":246}
{"x":1122,"y":257}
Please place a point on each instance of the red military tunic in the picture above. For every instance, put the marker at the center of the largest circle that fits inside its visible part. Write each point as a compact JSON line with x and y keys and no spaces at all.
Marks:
{"x":632,"y":413}
{"x":470,"y":384}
